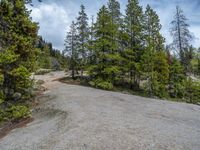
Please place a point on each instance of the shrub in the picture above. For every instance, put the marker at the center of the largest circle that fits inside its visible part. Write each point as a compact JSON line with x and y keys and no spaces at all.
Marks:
{"x":99,"y":83}
{"x":18,"y":111}
{"x":21,"y":78}
{"x":192,"y":91}
{"x":14,"y":112}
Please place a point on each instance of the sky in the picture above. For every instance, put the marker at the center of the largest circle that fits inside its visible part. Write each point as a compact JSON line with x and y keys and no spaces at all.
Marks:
{"x":55,"y":16}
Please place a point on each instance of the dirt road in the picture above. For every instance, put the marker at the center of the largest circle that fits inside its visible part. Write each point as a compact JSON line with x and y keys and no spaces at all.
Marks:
{"x":73,"y":117}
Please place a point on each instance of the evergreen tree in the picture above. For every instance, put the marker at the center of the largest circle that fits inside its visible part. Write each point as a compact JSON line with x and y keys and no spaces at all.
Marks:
{"x":43,"y":60}
{"x":117,"y":22}
{"x":82,"y":38}
{"x":162,"y":70}
{"x":151,"y":30}
{"x":181,"y":36}
{"x":91,"y":56}
{"x":71,"y":48}
{"x":18,"y":35}
{"x":114,"y":9}
{"x":154,"y":61}
{"x":104,"y":70}
{"x":133,"y":49}
{"x":176,"y":79}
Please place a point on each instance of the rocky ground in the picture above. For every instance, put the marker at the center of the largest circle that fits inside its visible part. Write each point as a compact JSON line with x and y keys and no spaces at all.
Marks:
{"x":71,"y":117}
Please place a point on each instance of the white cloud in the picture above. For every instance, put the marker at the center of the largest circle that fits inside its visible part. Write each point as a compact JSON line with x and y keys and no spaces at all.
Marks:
{"x":53,"y":21}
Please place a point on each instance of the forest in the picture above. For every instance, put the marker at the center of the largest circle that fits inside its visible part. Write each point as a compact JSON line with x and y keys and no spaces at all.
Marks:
{"x":128,"y":51}
{"x":112,"y":51}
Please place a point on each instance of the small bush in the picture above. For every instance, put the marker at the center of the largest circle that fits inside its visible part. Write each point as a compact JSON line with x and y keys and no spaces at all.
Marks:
{"x":105,"y":85}
{"x":192,"y":91}
{"x":18,"y":111}
{"x":14,"y":112}
{"x":99,"y":83}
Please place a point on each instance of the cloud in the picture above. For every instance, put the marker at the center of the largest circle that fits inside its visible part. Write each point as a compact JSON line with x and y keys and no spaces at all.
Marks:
{"x":55,"y":16}
{"x":53,"y":21}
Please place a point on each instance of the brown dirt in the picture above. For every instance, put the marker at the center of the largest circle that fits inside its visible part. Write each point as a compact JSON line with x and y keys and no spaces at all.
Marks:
{"x":9,"y":126}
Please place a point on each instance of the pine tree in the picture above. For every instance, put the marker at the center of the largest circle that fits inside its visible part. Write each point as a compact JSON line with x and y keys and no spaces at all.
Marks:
{"x":154,"y":63}
{"x":181,"y":36}
{"x":104,"y":70}
{"x":117,"y":21}
{"x":162,"y":70}
{"x":133,"y":49}
{"x":18,"y":35}
{"x":152,"y":28}
{"x":71,"y":48}
{"x":176,"y":79}
{"x":114,"y":9}
{"x":83,"y":36}
{"x":91,"y":56}
{"x":43,"y":60}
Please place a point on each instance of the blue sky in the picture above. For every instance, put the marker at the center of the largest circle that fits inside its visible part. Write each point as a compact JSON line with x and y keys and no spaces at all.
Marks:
{"x":55,"y":16}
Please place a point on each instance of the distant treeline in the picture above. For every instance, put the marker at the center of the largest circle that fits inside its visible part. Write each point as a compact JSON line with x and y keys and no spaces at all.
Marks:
{"x":50,"y":58}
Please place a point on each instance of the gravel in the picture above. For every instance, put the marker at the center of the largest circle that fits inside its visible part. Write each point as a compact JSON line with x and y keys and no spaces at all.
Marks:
{"x":72,"y":117}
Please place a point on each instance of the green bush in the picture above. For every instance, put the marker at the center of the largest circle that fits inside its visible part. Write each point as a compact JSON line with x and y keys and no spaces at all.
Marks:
{"x":21,"y":78}
{"x":18,"y":111}
{"x":99,"y":83}
{"x":192,"y":91}
{"x":3,"y":115}
{"x":14,"y":112}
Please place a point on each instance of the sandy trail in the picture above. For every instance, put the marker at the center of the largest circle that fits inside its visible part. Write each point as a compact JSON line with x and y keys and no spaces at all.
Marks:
{"x":72,"y":117}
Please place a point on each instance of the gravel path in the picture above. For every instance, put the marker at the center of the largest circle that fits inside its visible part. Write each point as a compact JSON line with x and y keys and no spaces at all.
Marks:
{"x":73,"y":117}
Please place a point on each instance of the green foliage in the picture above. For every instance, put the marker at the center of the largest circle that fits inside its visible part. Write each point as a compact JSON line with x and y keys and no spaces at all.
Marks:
{"x":18,"y":111}
{"x":155,"y":70}
{"x":100,"y":83}
{"x":71,"y":48}
{"x":18,"y":36}
{"x":82,"y":38}
{"x":176,"y":79}
{"x":153,"y":64}
{"x":49,"y":58}
{"x":1,"y":89}
{"x":192,"y":91}
{"x":129,"y":52}
{"x":14,"y":112}
{"x":7,"y":57}
{"x":133,"y":40}
{"x":105,"y":50}
{"x":21,"y":77}
{"x":1,"y":79}
{"x":1,"y":97}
